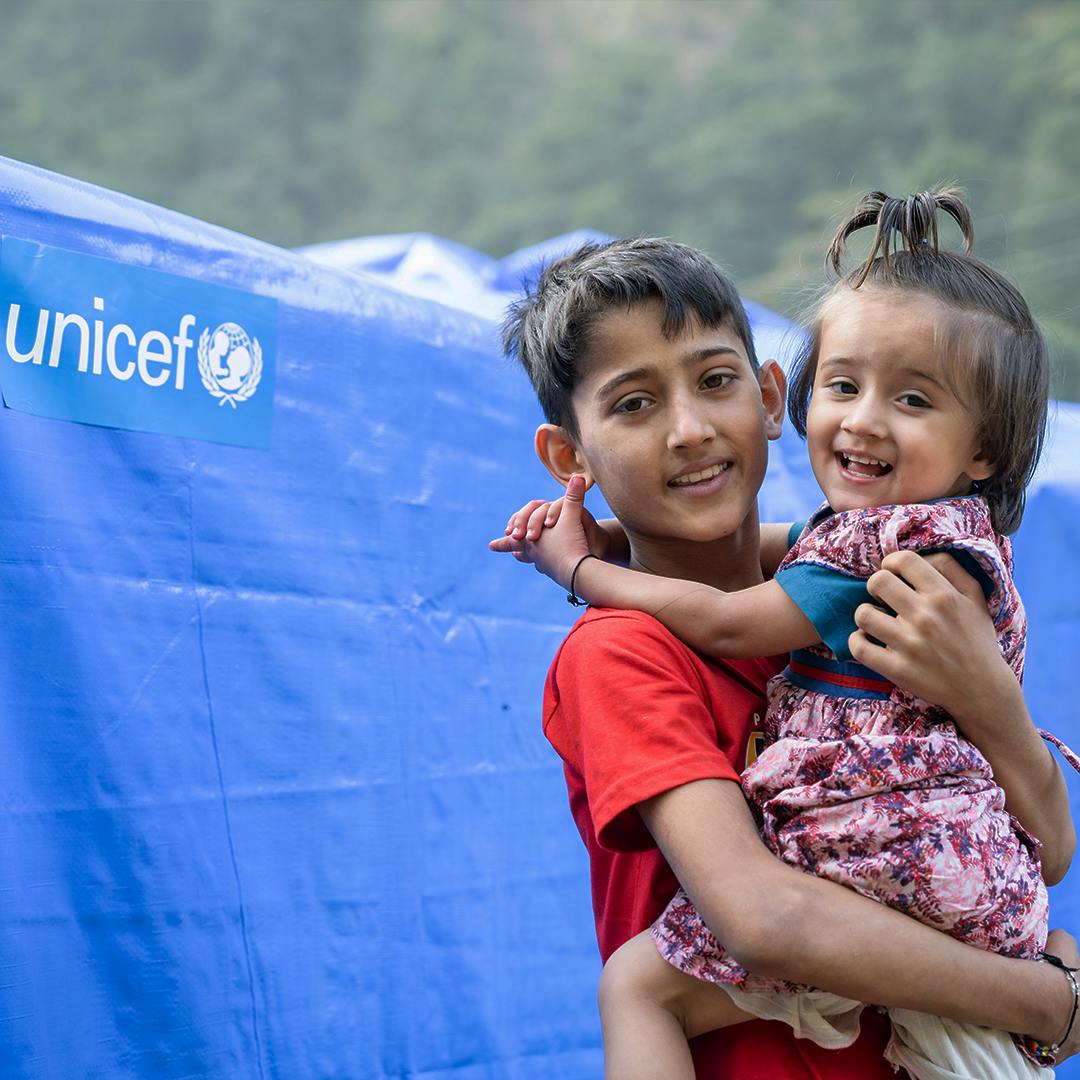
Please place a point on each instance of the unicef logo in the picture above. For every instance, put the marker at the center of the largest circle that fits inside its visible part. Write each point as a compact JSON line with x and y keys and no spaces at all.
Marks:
{"x":230,"y":363}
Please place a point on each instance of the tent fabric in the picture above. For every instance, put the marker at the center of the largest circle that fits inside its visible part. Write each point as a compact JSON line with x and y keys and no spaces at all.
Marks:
{"x":275,"y":801}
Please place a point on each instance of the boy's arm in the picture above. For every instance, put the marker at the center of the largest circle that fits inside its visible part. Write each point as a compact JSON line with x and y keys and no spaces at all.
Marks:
{"x":941,"y":645}
{"x":632,"y":720}
{"x":780,"y":922}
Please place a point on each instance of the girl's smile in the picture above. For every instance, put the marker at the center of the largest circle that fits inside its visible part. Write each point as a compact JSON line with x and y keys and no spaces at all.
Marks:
{"x":884,"y":426}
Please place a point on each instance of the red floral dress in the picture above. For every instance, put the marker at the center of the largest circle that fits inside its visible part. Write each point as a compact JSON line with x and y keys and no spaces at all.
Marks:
{"x":868,"y":786}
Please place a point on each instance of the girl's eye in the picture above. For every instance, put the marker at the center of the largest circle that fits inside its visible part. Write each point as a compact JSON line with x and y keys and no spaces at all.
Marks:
{"x":914,"y":401}
{"x":717,"y":380}
{"x":843,"y":386}
{"x":632,"y":405}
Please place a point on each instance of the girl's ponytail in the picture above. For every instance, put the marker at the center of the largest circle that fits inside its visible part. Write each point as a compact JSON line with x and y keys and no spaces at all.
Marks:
{"x":908,"y":224}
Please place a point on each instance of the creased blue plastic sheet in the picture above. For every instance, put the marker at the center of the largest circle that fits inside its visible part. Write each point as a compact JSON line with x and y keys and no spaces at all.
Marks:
{"x":274,"y":800}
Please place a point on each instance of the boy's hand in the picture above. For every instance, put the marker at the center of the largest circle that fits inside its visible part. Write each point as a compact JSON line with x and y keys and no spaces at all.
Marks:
{"x":1063,"y":946}
{"x":557,"y":548}
{"x":940,"y":644}
{"x":538,"y":514}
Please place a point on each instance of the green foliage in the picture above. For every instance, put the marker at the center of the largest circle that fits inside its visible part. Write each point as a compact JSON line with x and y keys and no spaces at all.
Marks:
{"x":743,"y":126}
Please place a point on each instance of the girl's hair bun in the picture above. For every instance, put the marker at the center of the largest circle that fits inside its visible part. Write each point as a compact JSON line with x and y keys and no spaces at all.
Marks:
{"x":908,"y":224}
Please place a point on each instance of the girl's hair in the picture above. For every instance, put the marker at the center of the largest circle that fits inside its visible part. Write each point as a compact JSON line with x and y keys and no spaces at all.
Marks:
{"x":994,"y":356}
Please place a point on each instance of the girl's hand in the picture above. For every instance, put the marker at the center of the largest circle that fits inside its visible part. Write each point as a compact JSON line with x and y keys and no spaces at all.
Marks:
{"x":536,"y":515}
{"x":556,"y":549}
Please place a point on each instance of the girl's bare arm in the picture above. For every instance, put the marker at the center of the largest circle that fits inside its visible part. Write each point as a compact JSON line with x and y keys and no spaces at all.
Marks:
{"x":759,"y":621}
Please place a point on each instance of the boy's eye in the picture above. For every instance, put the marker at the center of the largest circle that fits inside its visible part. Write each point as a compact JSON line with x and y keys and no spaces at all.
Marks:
{"x":717,"y":380}
{"x":632,"y":404}
{"x":843,"y":386}
{"x":914,"y":401}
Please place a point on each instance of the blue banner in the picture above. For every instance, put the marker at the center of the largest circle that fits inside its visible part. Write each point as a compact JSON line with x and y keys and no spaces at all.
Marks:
{"x":122,"y":346}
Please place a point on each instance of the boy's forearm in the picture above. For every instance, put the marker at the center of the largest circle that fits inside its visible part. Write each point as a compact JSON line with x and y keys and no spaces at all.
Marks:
{"x":937,"y":641}
{"x":842,"y":942}
{"x":996,"y":719}
{"x":778,"y":921}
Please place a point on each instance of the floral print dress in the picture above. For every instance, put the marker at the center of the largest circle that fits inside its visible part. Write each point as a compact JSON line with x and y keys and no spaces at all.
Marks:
{"x":868,"y":786}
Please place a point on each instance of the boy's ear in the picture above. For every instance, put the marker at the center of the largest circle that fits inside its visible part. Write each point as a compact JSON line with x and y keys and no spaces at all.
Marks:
{"x":560,"y":456}
{"x":773,"y":387}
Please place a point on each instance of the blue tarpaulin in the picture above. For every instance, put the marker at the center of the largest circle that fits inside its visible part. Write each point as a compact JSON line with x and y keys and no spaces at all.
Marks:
{"x":274,"y":799}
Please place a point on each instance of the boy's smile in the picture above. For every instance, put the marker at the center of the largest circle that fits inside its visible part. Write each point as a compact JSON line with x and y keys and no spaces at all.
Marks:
{"x":675,"y":431}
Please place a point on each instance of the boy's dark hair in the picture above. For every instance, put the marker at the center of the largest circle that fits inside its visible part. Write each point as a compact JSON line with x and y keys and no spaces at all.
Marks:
{"x":549,"y":329}
{"x":994,"y":355}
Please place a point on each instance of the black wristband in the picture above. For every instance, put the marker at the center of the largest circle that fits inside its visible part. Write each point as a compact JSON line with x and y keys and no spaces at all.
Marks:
{"x":1070,"y":974}
{"x":571,"y":596}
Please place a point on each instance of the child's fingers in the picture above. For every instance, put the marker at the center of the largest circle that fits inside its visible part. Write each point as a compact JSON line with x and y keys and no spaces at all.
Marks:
{"x":537,"y":521}
{"x":554,"y":509}
{"x":912,"y":584}
{"x":520,"y":520}
{"x":575,"y":490}
{"x":506,"y":545}
{"x":519,"y":517}
{"x":887,"y":587}
{"x":573,"y":504}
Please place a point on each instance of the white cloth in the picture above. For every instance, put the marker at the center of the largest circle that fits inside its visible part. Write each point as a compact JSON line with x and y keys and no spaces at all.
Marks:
{"x":929,"y":1047}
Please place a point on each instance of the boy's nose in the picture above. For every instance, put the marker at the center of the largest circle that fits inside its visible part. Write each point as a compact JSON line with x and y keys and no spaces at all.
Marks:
{"x":690,"y":426}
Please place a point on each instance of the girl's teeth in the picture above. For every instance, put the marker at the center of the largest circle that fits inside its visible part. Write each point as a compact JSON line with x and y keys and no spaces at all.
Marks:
{"x":865,"y":466}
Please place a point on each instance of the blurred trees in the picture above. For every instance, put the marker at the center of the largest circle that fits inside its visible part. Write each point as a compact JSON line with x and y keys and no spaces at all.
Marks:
{"x":743,"y":126}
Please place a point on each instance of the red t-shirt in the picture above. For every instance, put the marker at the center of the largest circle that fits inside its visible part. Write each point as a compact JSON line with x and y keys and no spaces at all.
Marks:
{"x":634,"y":712}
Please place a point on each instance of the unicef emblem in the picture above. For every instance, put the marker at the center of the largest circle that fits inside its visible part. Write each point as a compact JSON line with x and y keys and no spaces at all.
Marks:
{"x":230,"y":363}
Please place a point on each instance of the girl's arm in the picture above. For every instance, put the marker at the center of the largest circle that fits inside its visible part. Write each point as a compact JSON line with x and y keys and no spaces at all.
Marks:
{"x":606,"y":538}
{"x":760,"y":621}
{"x":941,"y":645}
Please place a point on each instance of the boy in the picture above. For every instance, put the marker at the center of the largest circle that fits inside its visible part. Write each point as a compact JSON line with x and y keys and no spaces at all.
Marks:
{"x":642,"y":358}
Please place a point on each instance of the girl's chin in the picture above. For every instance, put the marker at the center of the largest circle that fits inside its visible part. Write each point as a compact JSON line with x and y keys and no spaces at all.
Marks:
{"x":847,"y":501}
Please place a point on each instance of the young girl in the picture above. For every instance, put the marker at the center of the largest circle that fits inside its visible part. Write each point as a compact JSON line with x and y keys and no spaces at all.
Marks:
{"x":922,"y":393}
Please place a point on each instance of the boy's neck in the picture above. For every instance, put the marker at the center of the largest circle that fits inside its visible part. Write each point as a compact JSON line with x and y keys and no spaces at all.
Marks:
{"x":730,"y":563}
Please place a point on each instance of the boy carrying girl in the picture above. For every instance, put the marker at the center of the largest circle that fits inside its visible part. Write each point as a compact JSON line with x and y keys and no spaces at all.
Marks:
{"x":626,"y":345}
